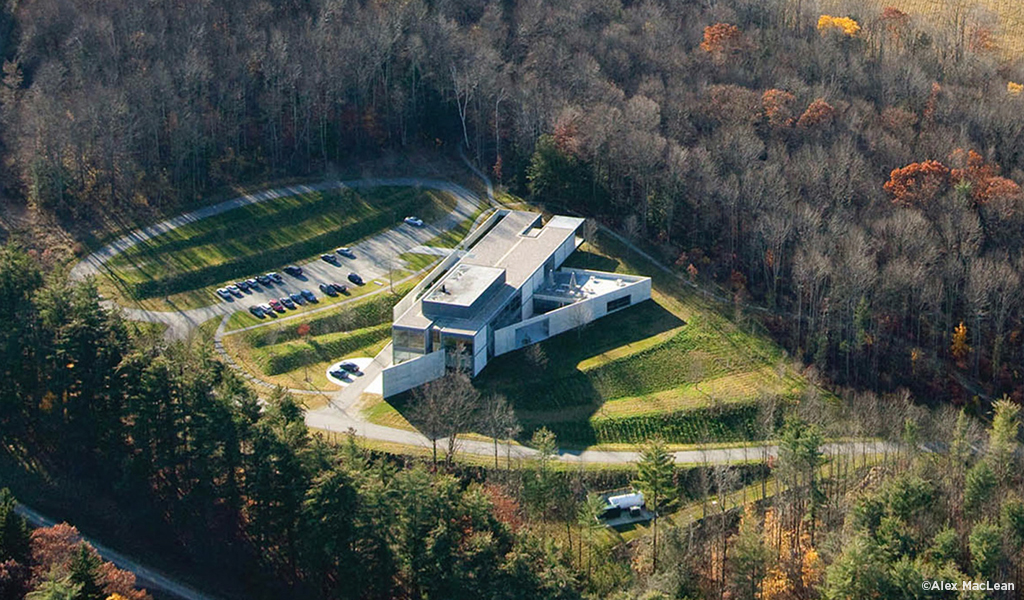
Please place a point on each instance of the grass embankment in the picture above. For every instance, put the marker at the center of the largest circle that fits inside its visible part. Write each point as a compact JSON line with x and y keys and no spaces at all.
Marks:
{"x":279,"y":354}
{"x":180,"y":268}
{"x":673,"y":366}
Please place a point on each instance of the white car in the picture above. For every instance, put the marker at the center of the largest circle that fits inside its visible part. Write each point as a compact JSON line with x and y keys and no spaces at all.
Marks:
{"x":234,"y":291}
{"x":415,"y":222}
{"x":224,"y":293}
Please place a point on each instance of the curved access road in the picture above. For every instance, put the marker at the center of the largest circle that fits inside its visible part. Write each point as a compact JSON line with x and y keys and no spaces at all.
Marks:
{"x":145,"y":577}
{"x":374,"y":253}
{"x":341,"y":413}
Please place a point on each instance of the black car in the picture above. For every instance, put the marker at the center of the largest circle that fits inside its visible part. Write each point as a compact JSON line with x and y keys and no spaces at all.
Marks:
{"x":355,"y":278}
{"x":338,"y":287}
{"x":328,"y":289}
{"x":298,"y":298}
{"x":263,"y":279}
{"x":351,"y":367}
{"x":329,"y":258}
{"x":293,"y":270}
{"x":256,"y":311}
{"x":277,"y":277}
{"x":287,"y":302}
{"x":339,"y":374}
{"x":243,"y":285}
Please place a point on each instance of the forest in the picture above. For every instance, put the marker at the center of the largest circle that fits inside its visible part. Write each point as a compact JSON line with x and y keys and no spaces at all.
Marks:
{"x":177,"y":445}
{"x":856,"y":180}
{"x":846,"y":174}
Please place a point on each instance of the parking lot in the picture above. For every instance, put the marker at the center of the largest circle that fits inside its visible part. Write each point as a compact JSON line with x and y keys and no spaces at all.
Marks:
{"x":374,"y":258}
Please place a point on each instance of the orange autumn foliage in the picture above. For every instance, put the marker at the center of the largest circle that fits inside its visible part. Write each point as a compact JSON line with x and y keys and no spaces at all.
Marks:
{"x":819,"y":113}
{"x":970,"y":167}
{"x":778,"y":107}
{"x":917,"y":183}
{"x":1002,"y":188}
{"x":722,"y":39}
{"x":798,"y":568}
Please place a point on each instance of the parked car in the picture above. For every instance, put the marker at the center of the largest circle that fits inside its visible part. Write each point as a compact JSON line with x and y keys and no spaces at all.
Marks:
{"x":329,"y":258}
{"x":268,"y":310}
{"x":293,"y":270}
{"x":285,"y":300}
{"x":235,"y":291}
{"x":415,"y":222}
{"x":351,"y":367}
{"x":355,"y":278}
{"x":339,"y":374}
{"x":297,"y":298}
{"x":276,"y":277}
{"x":242,"y":285}
{"x":256,"y":311}
{"x":308,"y":295}
{"x":251,"y":283}
{"x":263,"y":279}
{"x":338,"y":288}
{"x":328,"y":289}
{"x":346,"y":252}
{"x":277,"y":306}
{"x":224,"y":293}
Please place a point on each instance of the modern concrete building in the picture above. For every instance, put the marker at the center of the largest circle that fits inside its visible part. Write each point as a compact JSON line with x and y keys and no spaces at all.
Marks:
{"x":506,"y":289}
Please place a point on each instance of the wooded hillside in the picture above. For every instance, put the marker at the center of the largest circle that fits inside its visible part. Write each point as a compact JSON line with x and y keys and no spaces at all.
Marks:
{"x":859,"y":179}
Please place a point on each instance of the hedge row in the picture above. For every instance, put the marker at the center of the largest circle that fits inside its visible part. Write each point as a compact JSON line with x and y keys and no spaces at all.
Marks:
{"x":289,"y":357}
{"x":370,"y":312}
{"x":735,"y":423}
{"x":274,"y":258}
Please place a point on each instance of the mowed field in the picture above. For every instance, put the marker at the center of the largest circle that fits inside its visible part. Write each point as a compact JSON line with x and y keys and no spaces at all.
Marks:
{"x":183,"y":266}
{"x":672,"y":366}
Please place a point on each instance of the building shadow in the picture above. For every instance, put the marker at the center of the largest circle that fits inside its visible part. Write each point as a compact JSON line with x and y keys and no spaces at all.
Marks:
{"x":547,"y":376}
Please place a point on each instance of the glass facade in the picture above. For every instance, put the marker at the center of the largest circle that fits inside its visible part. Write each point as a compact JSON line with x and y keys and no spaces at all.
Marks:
{"x":414,"y":340}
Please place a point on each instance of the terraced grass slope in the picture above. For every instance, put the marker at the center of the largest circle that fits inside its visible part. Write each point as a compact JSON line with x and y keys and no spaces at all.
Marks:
{"x":279,"y":354}
{"x":673,"y":366}
{"x":264,"y":236}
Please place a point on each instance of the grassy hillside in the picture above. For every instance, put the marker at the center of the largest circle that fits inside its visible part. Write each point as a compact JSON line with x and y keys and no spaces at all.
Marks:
{"x":261,"y":237}
{"x":673,"y":366}
{"x":278,"y":354}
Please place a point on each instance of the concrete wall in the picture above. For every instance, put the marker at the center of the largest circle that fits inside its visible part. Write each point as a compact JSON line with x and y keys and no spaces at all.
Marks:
{"x":479,"y":351}
{"x":411,"y":373}
{"x":570,"y":317}
{"x":536,"y":280}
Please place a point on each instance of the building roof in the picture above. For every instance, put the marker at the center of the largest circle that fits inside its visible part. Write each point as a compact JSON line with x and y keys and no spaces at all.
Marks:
{"x":627,"y":500}
{"x":516,"y":245}
{"x":463,"y":285}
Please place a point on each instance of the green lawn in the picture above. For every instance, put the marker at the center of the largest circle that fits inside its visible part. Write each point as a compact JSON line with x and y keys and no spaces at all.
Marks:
{"x":262,"y":237}
{"x":278,"y":354}
{"x":673,"y":366}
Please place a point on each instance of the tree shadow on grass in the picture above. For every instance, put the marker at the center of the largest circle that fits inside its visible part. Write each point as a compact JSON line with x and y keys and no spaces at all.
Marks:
{"x":546,"y":376}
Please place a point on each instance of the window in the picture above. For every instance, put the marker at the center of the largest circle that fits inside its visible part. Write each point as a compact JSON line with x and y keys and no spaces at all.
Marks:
{"x":618,"y":303}
{"x":410,"y":339}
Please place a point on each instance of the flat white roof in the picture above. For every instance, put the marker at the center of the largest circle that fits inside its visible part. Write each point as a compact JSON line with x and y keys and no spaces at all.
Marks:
{"x":517,"y":245}
{"x":463,"y":285}
{"x":627,"y":500}
{"x":564,"y":222}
